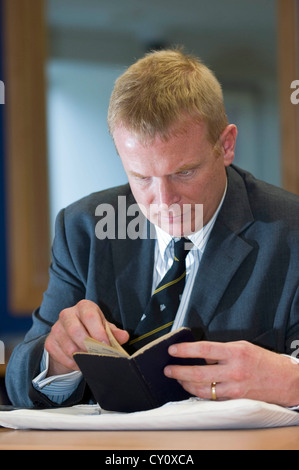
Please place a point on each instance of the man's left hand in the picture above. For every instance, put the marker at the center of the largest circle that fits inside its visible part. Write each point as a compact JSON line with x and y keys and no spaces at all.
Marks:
{"x":240,"y":370}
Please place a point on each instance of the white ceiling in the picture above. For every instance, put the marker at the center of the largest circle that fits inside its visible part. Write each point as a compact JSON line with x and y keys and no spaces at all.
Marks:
{"x":155,"y":18}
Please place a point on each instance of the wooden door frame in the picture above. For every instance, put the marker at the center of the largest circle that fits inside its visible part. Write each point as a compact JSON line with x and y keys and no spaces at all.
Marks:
{"x":24,"y":31}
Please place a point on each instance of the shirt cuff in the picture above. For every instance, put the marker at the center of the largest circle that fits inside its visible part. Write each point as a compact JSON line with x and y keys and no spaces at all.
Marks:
{"x":57,"y":388}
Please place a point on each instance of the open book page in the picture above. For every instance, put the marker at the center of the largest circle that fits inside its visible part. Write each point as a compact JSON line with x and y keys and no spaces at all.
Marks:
{"x":157,"y":341}
{"x":115,"y":349}
{"x":96,"y":347}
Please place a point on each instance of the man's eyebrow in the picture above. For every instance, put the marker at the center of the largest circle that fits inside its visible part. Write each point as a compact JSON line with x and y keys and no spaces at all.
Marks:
{"x":138,"y":175}
{"x":188,"y":166}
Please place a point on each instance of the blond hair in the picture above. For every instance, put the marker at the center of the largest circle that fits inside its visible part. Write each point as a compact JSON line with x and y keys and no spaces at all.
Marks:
{"x":158,"y":90}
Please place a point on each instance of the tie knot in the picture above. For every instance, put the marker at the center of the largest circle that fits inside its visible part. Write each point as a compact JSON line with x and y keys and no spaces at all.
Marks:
{"x":181,"y":249}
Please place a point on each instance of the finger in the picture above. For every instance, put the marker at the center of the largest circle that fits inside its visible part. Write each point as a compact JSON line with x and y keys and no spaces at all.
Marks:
{"x":197,"y":374}
{"x":64,"y":363}
{"x":210,"y":351}
{"x":204,"y":391}
{"x":93,"y":321}
{"x":61,"y":359}
{"x":69,"y":328}
{"x":122,"y":336}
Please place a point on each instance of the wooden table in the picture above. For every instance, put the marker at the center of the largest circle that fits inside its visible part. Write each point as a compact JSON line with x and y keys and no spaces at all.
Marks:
{"x":175,"y":441}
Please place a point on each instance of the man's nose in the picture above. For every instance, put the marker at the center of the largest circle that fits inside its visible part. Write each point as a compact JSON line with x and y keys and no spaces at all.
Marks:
{"x":167,"y":193}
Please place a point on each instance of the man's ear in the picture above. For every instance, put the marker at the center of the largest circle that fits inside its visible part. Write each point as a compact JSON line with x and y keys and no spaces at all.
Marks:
{"x":228,"y":143}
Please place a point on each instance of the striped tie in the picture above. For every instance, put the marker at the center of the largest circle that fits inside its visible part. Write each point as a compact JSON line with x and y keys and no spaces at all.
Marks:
{"x":160,"y":313}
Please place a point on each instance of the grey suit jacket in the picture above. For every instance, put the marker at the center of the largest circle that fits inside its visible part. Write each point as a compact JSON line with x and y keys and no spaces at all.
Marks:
{"x":246,"y":286}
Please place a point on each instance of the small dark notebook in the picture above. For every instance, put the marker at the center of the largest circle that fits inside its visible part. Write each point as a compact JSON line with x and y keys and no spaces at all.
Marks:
{"x":120,"y":382}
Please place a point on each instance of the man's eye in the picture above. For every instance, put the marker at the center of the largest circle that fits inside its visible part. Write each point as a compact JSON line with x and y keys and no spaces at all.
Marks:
{"x":186,"y":173}
{"x":141,"y":179}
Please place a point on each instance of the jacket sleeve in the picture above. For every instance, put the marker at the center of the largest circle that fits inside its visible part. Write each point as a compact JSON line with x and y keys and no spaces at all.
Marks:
{"x":66,"y":288}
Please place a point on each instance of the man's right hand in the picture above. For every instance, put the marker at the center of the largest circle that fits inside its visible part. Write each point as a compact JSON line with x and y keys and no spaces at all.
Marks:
{"x":69,"y":332}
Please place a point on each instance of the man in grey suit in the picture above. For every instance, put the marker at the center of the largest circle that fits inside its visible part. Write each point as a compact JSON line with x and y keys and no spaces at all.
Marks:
{"x":168,"y":122}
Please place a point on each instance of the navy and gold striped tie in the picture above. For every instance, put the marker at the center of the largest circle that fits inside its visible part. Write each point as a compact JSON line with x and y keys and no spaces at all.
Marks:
{"x":160,"y":313}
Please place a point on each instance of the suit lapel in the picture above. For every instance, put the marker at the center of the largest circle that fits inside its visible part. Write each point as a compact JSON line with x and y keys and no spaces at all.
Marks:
{"x":133,"y":262}
{"x":224,"y":253}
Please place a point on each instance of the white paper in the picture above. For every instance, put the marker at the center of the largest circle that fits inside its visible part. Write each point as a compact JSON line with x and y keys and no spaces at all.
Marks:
{"x":188,"y":414}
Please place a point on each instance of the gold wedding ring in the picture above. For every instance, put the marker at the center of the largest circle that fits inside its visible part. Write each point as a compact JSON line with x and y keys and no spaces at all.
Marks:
{"x":213,"y":391}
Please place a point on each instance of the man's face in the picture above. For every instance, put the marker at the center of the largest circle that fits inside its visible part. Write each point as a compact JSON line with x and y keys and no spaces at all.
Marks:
{"x":169,"y":178}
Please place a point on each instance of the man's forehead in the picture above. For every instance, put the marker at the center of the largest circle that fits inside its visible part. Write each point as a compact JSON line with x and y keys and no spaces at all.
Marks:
{"x":188,"y":128}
